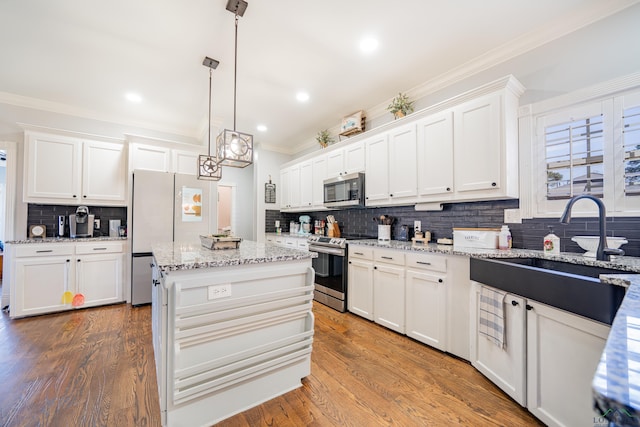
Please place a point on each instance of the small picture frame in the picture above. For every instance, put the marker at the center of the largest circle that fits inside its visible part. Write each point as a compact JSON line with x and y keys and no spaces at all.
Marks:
{"x":352,"y":124}
{"x":269,"y":192}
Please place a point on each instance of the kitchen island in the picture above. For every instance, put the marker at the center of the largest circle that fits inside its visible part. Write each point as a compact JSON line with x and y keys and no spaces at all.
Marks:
{"x":231,"y":328}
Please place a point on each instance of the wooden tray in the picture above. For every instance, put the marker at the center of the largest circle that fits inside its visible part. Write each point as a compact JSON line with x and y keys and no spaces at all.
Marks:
{"x":220,"y":242}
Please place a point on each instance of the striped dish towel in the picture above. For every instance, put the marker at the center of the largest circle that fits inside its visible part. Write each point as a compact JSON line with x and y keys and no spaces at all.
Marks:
{"x":491,"y":316}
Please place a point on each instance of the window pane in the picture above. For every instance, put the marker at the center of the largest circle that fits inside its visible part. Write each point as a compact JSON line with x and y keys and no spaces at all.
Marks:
{"x":631,"y":141}
{"x":574,"y":153}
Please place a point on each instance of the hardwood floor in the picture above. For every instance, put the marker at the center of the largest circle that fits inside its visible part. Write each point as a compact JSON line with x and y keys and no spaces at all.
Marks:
{"x":95,"y":368}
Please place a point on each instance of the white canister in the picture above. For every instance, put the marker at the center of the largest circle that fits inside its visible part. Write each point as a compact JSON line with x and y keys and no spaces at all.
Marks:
{"x":384,"y":233}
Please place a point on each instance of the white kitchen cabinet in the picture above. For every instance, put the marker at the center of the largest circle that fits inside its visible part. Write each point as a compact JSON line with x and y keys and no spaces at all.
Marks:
{"x":389,"y":289}
{"x":426,"y":299}
{"x":305,"y":183}
{"x":563,"y":351}
{"x":377,"y":169}
{"x":285,"y":190}
{"x":62,"y":169}
{"x":505,"y":367}
{"x":150,"y":157}
{"x":346,"y":160}
{"x":185,"y":162}
{"x":403,"y":164}
{"x":360,"y":281}
{"x":319,"y":174}
{"x":458,"y":291}
{"x":435,"y":156}
{"x":42,"y":273}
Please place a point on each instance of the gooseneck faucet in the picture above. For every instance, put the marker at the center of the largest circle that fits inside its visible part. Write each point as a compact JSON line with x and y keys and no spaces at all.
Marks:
{"x":603,"y":252}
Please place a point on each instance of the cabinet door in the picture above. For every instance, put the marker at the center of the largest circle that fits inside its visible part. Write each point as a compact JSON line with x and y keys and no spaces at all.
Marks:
{"x":389,"y":296}
{"x":435,"y":155}
{"x":319,"y":174}
{"x":360,"y":284}
{"x":294,"y":186}
{"x":40,"y":284}
{"x":354,"y":158}
{"x":335,"y":164}
{"x":99,"y":278}
{"x":149,"y":157}
{"x":52,"y":168}
{"x":478,"y":144}
{"x":306,"y":184}
{"x":285,"y":190}
{"x":426,"y":302}
{"x":505,"y":367}
{"x":377,"y":173}
{"x":402,"y":163}
{"x":103,"y":172}
{"x":184,"y":162}
{"x":563,"y":351}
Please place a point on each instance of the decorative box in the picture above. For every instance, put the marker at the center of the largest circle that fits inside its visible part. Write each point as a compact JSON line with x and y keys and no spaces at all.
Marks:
{"x":478,"y":238}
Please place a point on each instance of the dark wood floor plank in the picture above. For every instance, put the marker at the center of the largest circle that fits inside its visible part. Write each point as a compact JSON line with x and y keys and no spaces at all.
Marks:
{"x":95,"y":367}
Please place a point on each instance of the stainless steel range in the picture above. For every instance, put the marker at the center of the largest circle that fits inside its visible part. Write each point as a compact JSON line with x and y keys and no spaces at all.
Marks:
{"x":331,"y":270}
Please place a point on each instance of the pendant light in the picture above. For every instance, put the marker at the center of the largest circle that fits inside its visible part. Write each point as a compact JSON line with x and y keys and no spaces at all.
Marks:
{"x":209,"y":167}
{"x":235,"y":148}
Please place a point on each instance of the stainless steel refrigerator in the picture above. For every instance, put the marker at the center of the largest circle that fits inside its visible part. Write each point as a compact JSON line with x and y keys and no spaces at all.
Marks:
{"x":166,"y":207}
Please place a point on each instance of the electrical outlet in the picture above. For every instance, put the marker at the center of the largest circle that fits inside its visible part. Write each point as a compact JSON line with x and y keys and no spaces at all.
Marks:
{"x":512,"y":216}
{"x":219,"y":291}
{"x":417,"y":226}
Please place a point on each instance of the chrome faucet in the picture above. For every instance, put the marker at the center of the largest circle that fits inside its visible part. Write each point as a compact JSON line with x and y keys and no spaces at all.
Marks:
{"x":603,"y":252}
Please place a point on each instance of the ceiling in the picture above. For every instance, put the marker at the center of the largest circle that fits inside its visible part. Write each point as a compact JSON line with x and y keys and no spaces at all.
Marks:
{"x":81,"y":57}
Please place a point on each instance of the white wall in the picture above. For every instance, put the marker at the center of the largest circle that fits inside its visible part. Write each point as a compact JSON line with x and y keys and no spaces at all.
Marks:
{"x":267,"y":164}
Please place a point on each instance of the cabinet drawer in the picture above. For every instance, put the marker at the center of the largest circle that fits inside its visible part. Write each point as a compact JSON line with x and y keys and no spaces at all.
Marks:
{"x":362,"y":252}
{"x":427,"y":262}
{"x":98,"y":248}
{"x":37,"y":249}
{"x":389,"y":257}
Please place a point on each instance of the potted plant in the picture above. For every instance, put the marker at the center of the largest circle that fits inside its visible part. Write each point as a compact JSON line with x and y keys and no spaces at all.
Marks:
{"x":400,"y":106}
{"x":324,"y":138}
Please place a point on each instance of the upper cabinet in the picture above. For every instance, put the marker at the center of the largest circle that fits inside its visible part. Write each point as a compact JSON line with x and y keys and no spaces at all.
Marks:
{"x":62,"y":169}
{"x":164,"y":159}
{"x":462,"y":149}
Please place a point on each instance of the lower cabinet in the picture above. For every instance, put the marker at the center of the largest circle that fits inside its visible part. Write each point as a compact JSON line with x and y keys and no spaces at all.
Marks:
{"x":548,"y":362}
{"x":389,"y":289}
{"x":45,"y":278}
{"x":360,"y":281}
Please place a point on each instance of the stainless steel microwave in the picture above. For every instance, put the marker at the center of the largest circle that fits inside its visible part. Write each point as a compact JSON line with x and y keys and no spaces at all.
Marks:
{"x":344,"y":191}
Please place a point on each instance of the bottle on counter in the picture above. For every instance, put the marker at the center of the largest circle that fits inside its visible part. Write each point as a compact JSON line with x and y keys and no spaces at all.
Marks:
{"x":504,"y":238}
{"x":551,"y":243}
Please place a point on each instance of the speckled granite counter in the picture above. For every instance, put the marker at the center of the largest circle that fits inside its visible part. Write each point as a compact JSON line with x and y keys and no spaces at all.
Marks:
{"x":65,"y":240}
{"x":616,"y":385}
{"x":188,"y":256}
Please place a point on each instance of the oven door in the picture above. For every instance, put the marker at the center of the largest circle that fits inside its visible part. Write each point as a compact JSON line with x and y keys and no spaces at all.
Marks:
{"x":331,"y":276}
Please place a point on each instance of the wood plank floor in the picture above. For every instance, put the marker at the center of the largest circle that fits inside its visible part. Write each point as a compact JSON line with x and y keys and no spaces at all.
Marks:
{"x":95,"y":368}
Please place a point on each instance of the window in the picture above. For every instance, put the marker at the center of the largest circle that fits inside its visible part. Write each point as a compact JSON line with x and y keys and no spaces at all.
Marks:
{"x":631,"y":143}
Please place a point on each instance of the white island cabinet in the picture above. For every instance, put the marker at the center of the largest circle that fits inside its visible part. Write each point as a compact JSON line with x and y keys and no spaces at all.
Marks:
{"x":231,"y":328}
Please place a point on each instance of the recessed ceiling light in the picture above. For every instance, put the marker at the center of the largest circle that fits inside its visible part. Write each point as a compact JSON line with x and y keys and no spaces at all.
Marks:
{"x":302,"y":96}
{"x":262,"y":128}
{"x":133,"y":97}
{"x":368,"y":44}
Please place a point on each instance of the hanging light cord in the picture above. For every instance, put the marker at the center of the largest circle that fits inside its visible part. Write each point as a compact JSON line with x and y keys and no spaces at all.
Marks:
{"x":210,"y":74}
{"x":235,"y":75}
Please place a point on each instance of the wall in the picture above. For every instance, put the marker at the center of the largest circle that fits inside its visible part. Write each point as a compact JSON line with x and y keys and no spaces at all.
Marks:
{"x":267,"y":166}
{"x":527,"y":235}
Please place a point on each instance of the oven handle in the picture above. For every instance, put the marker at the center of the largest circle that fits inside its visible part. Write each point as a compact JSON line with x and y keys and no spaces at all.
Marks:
{"x":325,"y":250}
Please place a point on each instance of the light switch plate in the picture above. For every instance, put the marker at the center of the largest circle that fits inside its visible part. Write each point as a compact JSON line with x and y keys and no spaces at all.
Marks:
{"x":417,"y":226}
{"x":219,"y":291}
{"x":512,"y":216}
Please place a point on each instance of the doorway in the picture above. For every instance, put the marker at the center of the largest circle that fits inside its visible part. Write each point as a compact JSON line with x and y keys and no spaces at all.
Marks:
{"x":226,"y":209}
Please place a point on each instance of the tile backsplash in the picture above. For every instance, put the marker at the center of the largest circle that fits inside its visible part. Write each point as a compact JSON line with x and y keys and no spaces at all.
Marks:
{"x":527,"y":235}
{"x":48,"y":215}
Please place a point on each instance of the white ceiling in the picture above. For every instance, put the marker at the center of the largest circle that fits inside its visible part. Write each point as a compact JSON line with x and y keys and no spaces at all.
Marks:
{"x":81,"y":56}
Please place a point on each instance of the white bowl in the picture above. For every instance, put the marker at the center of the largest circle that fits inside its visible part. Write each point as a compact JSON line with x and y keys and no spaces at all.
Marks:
{"x":590,"y":243}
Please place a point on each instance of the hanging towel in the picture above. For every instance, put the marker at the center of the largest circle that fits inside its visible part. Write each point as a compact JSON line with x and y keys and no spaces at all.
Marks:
{"x":491,"y":316}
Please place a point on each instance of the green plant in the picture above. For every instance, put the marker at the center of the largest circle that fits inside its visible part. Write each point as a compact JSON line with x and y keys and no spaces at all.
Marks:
{"x":324,"y":138}
{"x":401,"y":104}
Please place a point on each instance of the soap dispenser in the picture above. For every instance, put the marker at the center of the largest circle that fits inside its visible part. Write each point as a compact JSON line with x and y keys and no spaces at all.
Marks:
{"x":504,"y":238}
{"x":551,"y":243}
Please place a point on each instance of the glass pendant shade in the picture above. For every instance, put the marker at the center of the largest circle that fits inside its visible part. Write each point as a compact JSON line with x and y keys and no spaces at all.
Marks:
{"x":208,"y":168}
{"x":234,"y":148}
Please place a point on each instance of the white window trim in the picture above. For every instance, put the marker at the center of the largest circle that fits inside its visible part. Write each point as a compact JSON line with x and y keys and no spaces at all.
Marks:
{"x":532,"y":167}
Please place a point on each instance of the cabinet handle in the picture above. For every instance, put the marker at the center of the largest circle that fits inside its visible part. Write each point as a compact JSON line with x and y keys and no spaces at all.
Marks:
{"x":152,"y":265}
{"x":156,"y":282}
{"x":358,"y":253}
{"x":423,"y":262}
{"x":386,"y":257}
{"x":493,"y":184}
{"x":99,"y":249}
{"x":43,"y":251}
{"x":529,"y":307}
{"x":514,"y":303}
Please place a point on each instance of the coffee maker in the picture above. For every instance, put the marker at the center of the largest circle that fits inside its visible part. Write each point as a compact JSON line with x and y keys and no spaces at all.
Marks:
{"x":81,"y":223}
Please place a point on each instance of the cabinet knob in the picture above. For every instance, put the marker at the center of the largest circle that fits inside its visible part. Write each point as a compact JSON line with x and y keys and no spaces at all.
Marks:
{"x":68,"y":260}
{"x":529,"y":307}
{"x":349,"y":262}
{"x":448,"y":188}
{"x":375,"y":267}
{"x":85,"y":196}
{"x":514,"y":303}
{"x":390,"y":195}
{"x":493,"y":184}
{"x":77,"y":260}
{"x":439,"y":280}
{"x":74,"y":196}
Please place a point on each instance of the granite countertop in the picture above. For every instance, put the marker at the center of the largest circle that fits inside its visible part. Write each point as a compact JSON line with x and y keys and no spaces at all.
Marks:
{"x":616,"y":385}
{"x":65,"y":240}
{"x":188,"y":256}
